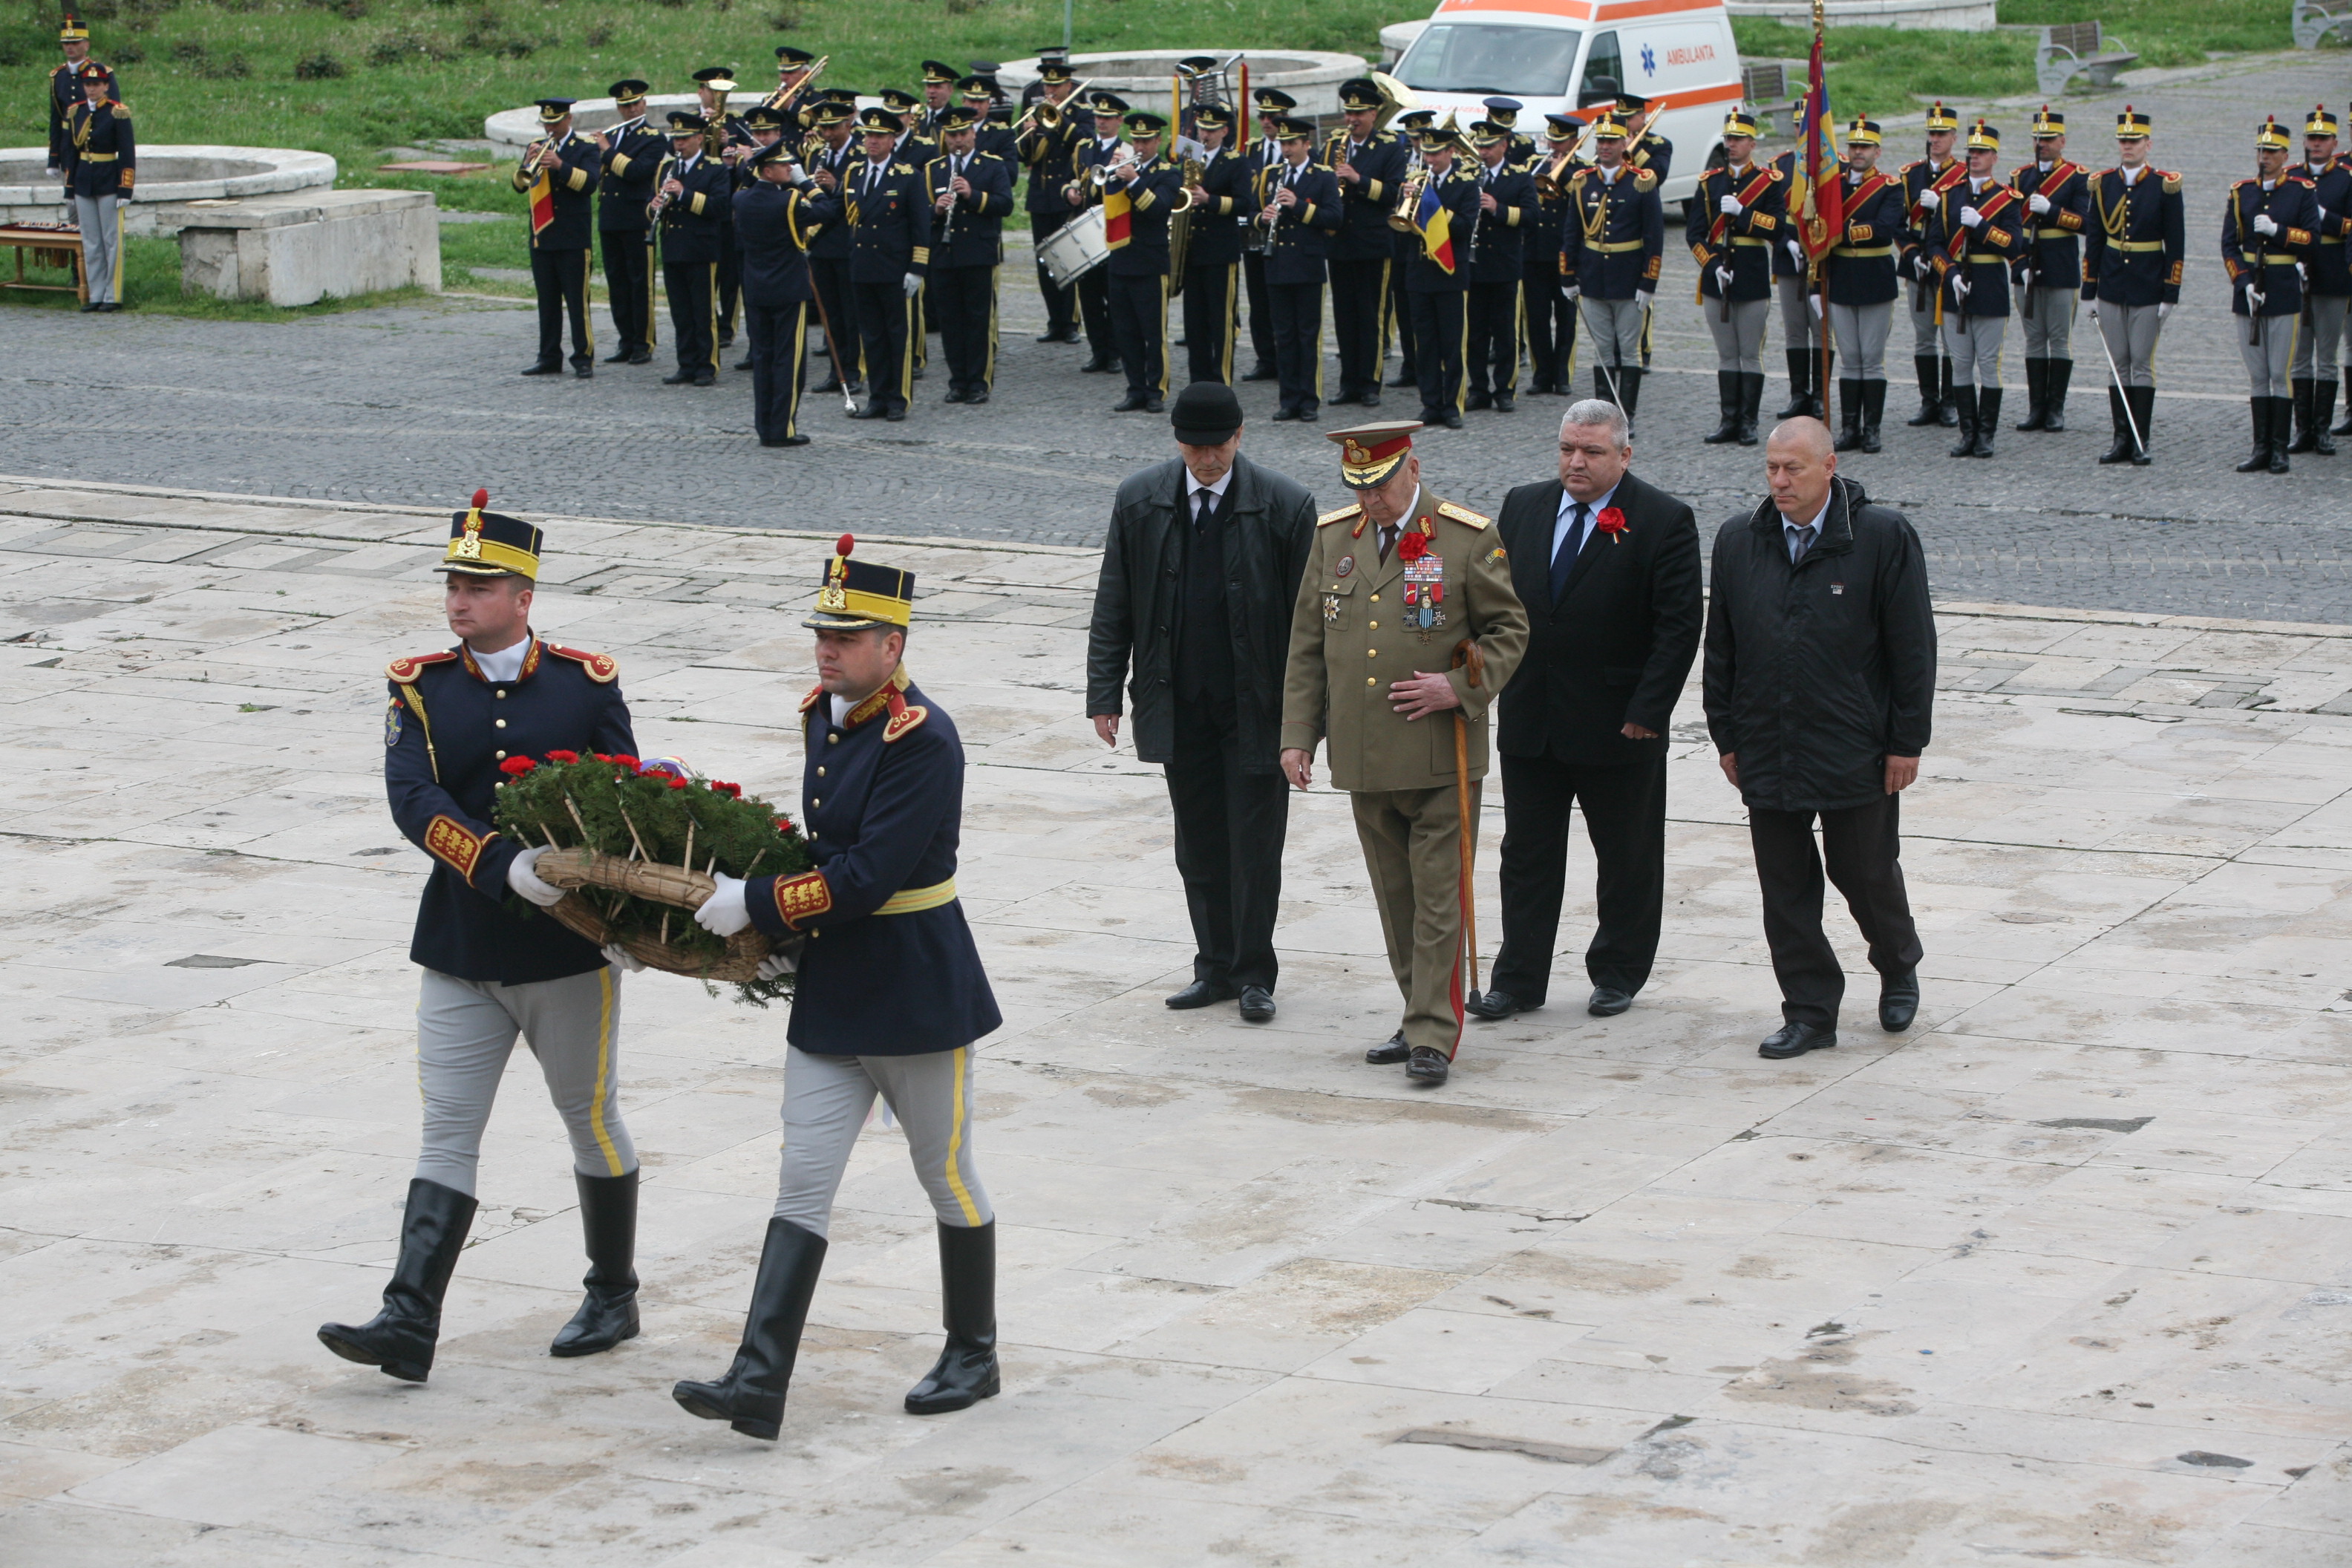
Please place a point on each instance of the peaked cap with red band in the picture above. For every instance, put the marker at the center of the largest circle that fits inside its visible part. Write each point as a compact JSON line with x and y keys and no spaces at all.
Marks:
{"x":1369,"y":454}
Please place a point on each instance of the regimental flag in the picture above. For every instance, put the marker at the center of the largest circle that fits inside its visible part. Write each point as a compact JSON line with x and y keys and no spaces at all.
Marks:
{"x":542,"y":197}
{"x":1117,"y":218}
{"x":1819,"y":195}
{"x":1435,"y":223}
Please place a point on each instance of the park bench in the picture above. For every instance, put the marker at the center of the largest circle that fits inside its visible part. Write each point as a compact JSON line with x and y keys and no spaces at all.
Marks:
{"x":2076,"y":46}
{"x":2314,"y":21}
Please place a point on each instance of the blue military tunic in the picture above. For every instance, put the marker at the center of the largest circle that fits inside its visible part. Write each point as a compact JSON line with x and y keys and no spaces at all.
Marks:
{"x":1613,"y":233}
{"x":445,"y":730}
{"x":889,"y":969}
{"x":2137,"y":245}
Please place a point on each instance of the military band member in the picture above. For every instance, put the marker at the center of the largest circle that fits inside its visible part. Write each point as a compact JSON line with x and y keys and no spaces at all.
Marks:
{"x":775,"y":216}
{"x":558,"y":174}
{"x":66,"y":88}
{"x":1645,"y":149}
{"x":971,"y":191}
{"x":2327,"y":290}
{"x":1923,"y":178}
{"x":1613,"y":243}
{"x":828,"y":157}
{"x":1047,"y":144}
{"x":792,"y":69}
{"x":915,"y":147}
{"x":1368,"y":163}
{"x":1551,"y":316}
{"x":1055,"y":59}
{"x":1863,"y":284}
{"x":1405,"y":245}
{"x":2057,"y":196}
{"x":630,"y":154}
{"x":1739,"y":213}
{"x":1263,"y":154}
{"x":1096,"y":149}
{"x":1213,"y":260}
{"x":890,"y":253}
{"x":1147,"y":188}
{"x":762,"y":128}
{"x":1792,"y":285}
{"x":99,"y":172}
{"x":990,"y":133}
{"x":495,"y":966}
{"x":692,"y":192}
{"x":1506,"y":215}
{"x":1974,"y":233}
{"x":1503,"y":112}
{"x":711,"y":86}
{"x":2268,"y":224}
{"x":1437,"y":279}
{"x":891,"y":998}
{"x":940,"y":80}
{"x":1395,"y":584}
{"x":1299,"y":207}
{"x":2133,"y":257}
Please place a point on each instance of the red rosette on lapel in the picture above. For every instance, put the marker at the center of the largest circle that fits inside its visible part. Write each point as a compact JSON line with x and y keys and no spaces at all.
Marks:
{"x":1411,"y":546}
{"x":1612,"y":521}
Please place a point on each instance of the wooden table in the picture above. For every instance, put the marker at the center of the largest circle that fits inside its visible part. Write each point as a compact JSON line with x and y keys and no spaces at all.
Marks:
{"x":25,"y":238}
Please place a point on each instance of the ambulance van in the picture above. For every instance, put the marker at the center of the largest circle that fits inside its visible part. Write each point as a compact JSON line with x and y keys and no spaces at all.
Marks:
{"x":1549,"y":54}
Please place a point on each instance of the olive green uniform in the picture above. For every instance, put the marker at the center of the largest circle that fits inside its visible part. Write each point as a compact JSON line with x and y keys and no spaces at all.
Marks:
{"x":1361,"y":624}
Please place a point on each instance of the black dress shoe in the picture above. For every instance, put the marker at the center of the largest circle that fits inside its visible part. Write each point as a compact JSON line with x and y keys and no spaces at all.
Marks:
{"x":1260,"y":372}
{"x":1494,"y":1005}
{"x":1156,"y":405}
{"x":1344,"y":398}
{"x":1428,"y":1067}
{"x":1389,"y":1052}
{"x":1407,"y":379}
{"x":584,"y":371}
{"x":683,"y":378}
{"x":1257,"y":1005}
{"x":896,"y":416}
{"x":1476,"y":401}
{"x":1506,"y":404}
{"x":1368,"y":398}
{"x":1608,"y":1002}
{"x":871,"y":411}
{"x":786,"y":441}
{"x":1452,"y":420}
{"x":1202,"y":994}
{"x":545,"y":367}
{"x":1131,"y":404}
{"x":643,"y":356}
{"x":1280,"y":415}
{"x":1795,"y":1040}
{"x":623,"y":357}
{"x":707,"y":378}
{"x":1898,"y":1001}
{"x":830,"y":383}
{"x":1098,"y":362}
{"x":1309,"y":415}
{"x":955,"y":394}
{"x":976,"y":397}
{"x":91,"y":307}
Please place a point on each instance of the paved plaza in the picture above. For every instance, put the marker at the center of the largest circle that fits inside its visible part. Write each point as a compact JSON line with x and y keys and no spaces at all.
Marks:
{"x":417,"y":405}
{"x":2063,"y":1275}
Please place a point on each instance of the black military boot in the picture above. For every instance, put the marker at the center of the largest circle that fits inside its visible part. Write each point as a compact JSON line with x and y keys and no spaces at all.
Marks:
{"x":401,"y":1338}
{"x":2143,"y":406}
{"x":1629,"y":384}
{"x":2322,"y":409}
{"x":2301,"y":403}
{"x":1728,"y":389}
{"x":2282,"y":428}
{"x":1931,"y":411}
{"x":2118,"y":412}
{"x":1849,"y":437}
{"x":608,"y":1220}
{"x":1751,"y":405}
{"x":2345,"y":428}
{"x":2053,"y":409}
{"x":1949,"y":408}
{"x":2037,"y":394}
{"x":1988,"y":421}
{"x":751,"y":1397}
{"x":1873,"y":409}
{"x":1801,"y":383}
{"x":966,"y":1372}
{"x":1964,"y":398}
{"x":2260,"y":463}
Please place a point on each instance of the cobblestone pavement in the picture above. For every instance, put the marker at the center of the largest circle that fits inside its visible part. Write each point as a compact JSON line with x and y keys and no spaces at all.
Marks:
{"x":2058,"y":1275}
{"x":417,"y":405}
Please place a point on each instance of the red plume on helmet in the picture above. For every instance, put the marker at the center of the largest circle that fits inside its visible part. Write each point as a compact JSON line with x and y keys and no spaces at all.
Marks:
{"x":844,"y":544}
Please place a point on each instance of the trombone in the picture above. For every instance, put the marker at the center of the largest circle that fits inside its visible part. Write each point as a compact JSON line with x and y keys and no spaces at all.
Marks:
{"x":1047,"y":114}
{"x":784,"y":98}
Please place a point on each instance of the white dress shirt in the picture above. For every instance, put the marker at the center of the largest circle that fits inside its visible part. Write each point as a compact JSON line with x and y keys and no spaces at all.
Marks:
{"x":502,"y":668}
{"x":1568,"y":505}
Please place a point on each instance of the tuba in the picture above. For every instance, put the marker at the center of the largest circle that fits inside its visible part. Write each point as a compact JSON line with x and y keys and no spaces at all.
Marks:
{"x":1396,"y":99}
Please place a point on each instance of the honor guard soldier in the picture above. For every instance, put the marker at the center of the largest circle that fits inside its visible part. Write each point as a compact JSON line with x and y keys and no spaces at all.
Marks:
{"x":1550,"y":318}
{"x":631,"y":153}
{"x":940,"y":80}
{"x":101,"y":167}
{"x":775,"y":218}
{"x":889,"y":999}
{"x":1299,"y":209}
{"x":1047,"y":143}
{"x":692,"y":193}
{"x":1410,"y":127}
{"x":1861,"y":274}
{"x":2268,"y":227}
{"x":1368,"y":163}
{"x":1801,"y":339}
{"x":1437,"y":279}
{"x":1976,"y":233}
{"x":1926,"y":178}
{"x":831,"y":151}
{"x":559,"y":174}
{"x":1213,"y":260}
{"x":65,"y":88}
{"x":456,"y":724}
{"x":971,"y":191}
{"x":1273,"y":105}
{"x":2133,"y":257}
{"x":723,"y":131}
{"x":1405,"y":614}
{"x":1139,"y":192}
{"x":2057,"y":196}
{"x":1739,"y":213}
{"x":1506,"y":213}
{"x":1098,"y":148}
{"x":2326,"y":292}
{"x":890,"y":252}
{"x":1613,"y":243}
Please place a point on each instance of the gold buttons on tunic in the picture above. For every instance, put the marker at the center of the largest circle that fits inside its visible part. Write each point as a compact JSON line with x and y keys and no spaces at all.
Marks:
{"x":1376,"y":598}
{"x":500,"y":723}
{"x":1371,"y":681}
{"x":1371,"y":653}
{"x":501,"y":756}
{"x":502,"y":691}
{"x":820,"y":772}
{"x":833,"y":740}
{"x":1373,"y":625}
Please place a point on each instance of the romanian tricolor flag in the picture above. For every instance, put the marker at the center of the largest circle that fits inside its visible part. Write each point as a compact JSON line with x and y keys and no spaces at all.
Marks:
{"x":542,"y":198}
{"x":1435,"y":227}
{"x":1817,"y":195}
{"x":1117,"y":217}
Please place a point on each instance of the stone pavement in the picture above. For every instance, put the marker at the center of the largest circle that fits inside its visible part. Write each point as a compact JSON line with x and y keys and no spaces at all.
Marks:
{"x":2060,"y":1275}
{"x":417,"y":405}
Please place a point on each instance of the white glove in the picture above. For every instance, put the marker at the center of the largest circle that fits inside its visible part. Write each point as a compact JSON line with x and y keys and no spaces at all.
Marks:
{"x":2090,"y":309}
{"x":1729,"y":206}
{"x":775,"y":965}
{"x":2254,"y":298}
{"x":2163,"y":308}
{"x":2265,"y":225}
{"x":526,"y":881}
{"x":2038,"y":201}
{"x":913,"y":285}
{"x":1642,"y":297}
{"x":621,"y":958}
{"x":724,"y":913}
{"x":1571,"y":291}
{"x":1930,"y":200}
{"x":1971,"y":218}
{"x":1796,"y":253}
{"x":1960,"y":285}
{"x":1815,"y":300}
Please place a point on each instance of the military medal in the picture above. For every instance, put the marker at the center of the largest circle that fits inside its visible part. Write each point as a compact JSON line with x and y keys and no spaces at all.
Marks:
{"x":1346,"y":564}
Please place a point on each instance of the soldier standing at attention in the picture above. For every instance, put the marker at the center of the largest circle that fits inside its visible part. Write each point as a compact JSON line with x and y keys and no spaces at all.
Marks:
{"x":65,"y":88}
{"x":1213,"y":260}
{"x":1300,"y":209}
{"x":1612,"y":241}
{"x":1410,"y":127}
{"x":495,"y":966}
{"x":2267,"y":227}
{"x":1395,"y":586}
{"x":557,"y":173}
{"x":2057,"y":196}
{"x":693,"y":191}
{"x":1264,"y":152}
{"x":1506,"y":212}
{"x":2133,"y":257}
{"x":1863,"y":286}
{"x":631,"y":153}
{"x":971,"y":192}
{"x":1922,"y":178}
{"x":102,"y":165}
{"x":1047,"y":144}
{"x":1738,"y":214}
{"x":1974,"y":233}
{"x":890,"y":251}
{"x":2329,"y":289}
{"x":1801,"y":341}
{"x":890,"y":997}
{"x":1368,"y":163}
{"x":1550,"y":317}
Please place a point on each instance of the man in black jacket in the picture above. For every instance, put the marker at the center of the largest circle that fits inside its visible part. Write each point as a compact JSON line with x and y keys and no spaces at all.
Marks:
{"x":1199,"y":577}
{"x":1608,"y":568}
{"x":1821,"y":686}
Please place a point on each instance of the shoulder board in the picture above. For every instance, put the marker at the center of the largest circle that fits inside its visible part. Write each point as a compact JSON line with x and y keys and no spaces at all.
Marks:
{"x":600,"y":667}
{"x":816,"y":693}
{"x":2171,"y":183}
{"x":1779,"y":173}
{"x":59,"y":70}
{"x":2248,"y":180}
{"x":903,"y":721}
{"x":1463,"y":514}
{"x":407,"y":669}
{"x":902,"y":168}
{"x":1342,"y":515}
{"x":1644,"y":178}
{"x":2300,"y":179}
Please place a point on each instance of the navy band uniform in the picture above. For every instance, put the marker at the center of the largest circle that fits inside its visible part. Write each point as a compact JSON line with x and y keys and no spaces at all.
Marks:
{"x":1497,"y":263}
{"x":1362,"y":249}
{"x":1299,"y":239}
{"x":774,"y":223}
{"x":1212,"y":262}
{"x":890,"y":242}
{"x":693,"y":236}
{"x":567,"y":166}
{"x":964,"y":261}
{"x":632,"y":156}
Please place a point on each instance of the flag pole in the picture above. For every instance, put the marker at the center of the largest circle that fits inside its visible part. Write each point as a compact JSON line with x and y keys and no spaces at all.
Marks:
{"x":1818,"y":91}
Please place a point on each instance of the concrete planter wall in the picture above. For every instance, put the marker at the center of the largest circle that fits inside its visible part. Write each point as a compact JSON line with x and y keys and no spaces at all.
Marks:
{"x":299,"y":248}
{"x":170,"y":176}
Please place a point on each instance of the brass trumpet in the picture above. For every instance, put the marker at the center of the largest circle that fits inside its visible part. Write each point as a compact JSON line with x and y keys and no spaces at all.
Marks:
{"x":1408,"y":202}
{"x":1048,"y":114}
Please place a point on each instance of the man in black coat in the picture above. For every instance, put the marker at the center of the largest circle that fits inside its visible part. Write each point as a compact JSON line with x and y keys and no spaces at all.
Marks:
{"x":1608,"y":568}
{"x":1821,"y":686}
{"x":1199,"y":578}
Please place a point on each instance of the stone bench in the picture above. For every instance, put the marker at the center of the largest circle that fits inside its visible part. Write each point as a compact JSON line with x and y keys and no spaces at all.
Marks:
{"x":2314,"y":21}
{"x":301,"y":247}
{"x":2074,"y":49}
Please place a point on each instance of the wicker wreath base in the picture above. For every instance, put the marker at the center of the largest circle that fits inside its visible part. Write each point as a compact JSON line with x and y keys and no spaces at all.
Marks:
{"x":675,"y":886}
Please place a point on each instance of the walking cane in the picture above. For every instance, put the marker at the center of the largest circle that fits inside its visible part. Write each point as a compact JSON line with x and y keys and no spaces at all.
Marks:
{"x":1467,"y":655}
{"x":2121,"y":390}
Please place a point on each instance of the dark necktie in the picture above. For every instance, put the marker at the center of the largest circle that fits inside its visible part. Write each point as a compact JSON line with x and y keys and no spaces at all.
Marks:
{"x":1388,"y":541}
{"x":1800,"y":542}
{"x":1571,"y":543}
{"x":1208,"y":503}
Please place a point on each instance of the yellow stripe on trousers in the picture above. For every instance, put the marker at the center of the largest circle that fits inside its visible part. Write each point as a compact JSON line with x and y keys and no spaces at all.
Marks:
{"x":955,"y":1140}
{"x":603,"y":1071}
{"x":714,"y":318}
{"x":1234,"y":320}
{"x":117,"y":250}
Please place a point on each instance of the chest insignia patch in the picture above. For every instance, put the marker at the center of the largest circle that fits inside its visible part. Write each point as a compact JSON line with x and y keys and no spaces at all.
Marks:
{"x":1837,"y":588}
{"x":1346,"y":564}
{"x":1424,"y":593}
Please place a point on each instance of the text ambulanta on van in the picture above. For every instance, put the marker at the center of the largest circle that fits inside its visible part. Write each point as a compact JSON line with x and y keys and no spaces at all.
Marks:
{"x":1549,"y":54}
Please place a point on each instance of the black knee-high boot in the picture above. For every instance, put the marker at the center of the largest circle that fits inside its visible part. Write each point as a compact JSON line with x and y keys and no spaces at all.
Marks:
{"x":2143,"y":406}
{"x":966,"y":1371}
{"x":1964,"y":399}
{"x":1801,"y":383}
{"x":2260,"y":463}
{"x":1988,"y":421}
{"x":2345,"y":428}
{"x":1873,"y":409}
{"x":1950,"y":405}
{"x":608,"y":1221}
{"x":1848,"y":438}
{"x":2322,"y":409}
{"x":2301,"y":403}
{"x":1728,"y":387}
{"x":1931,"y":408}
{"x":1751,"y":403}
{"x":2119,"y":413}
{"x":2037,"y":394}
{"x":401,"y":1338}
{"x":1629,"y":382}
{"x":2053,"y":411}
{"x":751,"y":1397}
{"x":2282,"y":427}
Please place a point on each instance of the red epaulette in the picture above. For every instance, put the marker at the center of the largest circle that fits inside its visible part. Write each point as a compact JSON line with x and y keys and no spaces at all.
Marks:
{"x":816,"y":694}
{"x":600,"y":667}
{"x":404,"y":670}
{"x":903,"y":717}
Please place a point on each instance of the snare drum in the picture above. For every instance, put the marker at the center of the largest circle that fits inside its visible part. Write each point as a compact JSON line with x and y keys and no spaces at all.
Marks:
{"x":1076,"y":249}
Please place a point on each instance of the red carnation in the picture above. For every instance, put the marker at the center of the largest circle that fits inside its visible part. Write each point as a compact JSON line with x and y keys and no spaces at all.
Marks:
{"x":1612,"y":521}
{"x":621,"y":761}
{"x":1412,"y":546}
{"x":731,"y":791}
{"x":515,"y":767}
{"x":562,"y":756}
{"x":784,"y":825}
{"x":677,"y":783}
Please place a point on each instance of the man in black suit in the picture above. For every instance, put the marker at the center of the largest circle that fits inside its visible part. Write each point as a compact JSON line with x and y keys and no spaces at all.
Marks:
{"x":1607,"y":567}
